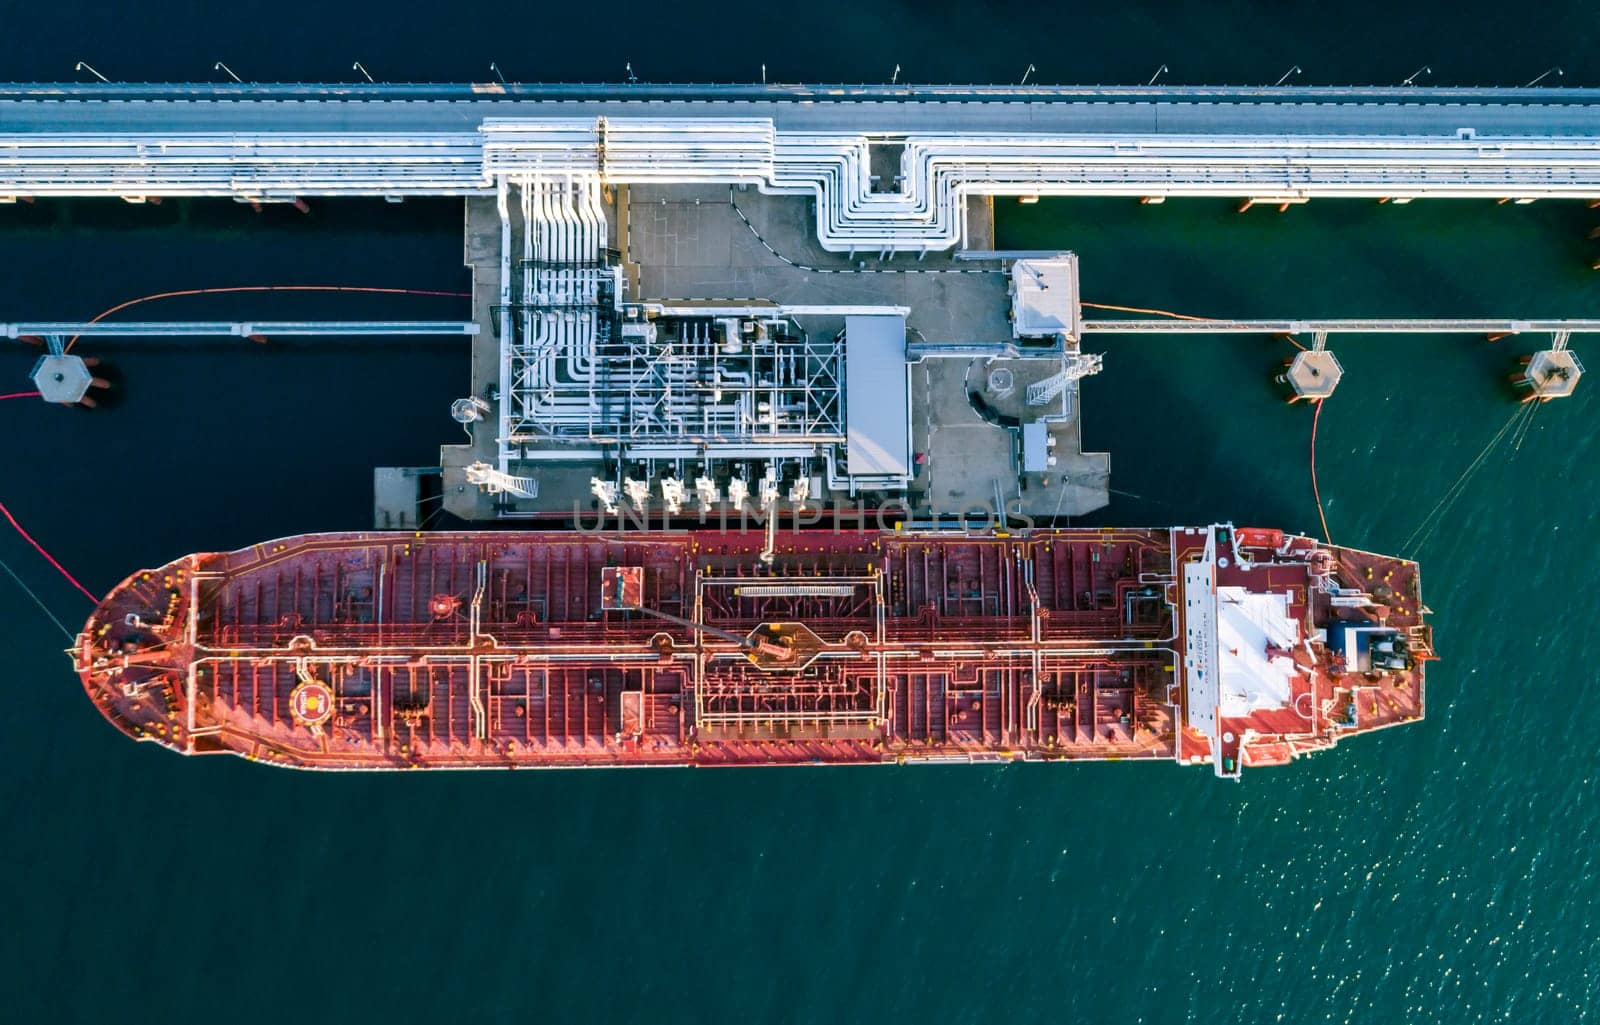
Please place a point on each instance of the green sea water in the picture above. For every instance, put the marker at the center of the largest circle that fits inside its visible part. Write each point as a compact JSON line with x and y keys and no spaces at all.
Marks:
{"x":1441,"y":872}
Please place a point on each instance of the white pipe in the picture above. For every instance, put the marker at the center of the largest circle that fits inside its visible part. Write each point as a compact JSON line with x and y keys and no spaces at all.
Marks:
{"x":506,"y":382}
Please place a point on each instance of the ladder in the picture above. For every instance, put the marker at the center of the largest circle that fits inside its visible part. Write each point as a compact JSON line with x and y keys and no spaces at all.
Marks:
{"x":1074,"y":365}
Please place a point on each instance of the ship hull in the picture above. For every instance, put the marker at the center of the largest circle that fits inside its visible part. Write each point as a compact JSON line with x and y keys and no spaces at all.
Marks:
{"x":521,"y":650}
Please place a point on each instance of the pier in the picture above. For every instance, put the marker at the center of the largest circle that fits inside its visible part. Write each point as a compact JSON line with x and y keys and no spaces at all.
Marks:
{"x":889,"y":168}
{"x":703,"y":300}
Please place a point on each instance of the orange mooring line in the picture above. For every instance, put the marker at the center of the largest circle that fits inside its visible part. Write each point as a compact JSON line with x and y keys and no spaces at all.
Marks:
{"x":266,"y":288}
{"x":1315,"y":491}
{"x":48,"y":557}
{"x":1141,"y":309}
{"x":20,"y":395}
{"x":1167,"y":313}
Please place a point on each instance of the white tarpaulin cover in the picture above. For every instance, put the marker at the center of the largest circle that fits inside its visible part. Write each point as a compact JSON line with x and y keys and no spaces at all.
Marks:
{"x":1247,"y":624}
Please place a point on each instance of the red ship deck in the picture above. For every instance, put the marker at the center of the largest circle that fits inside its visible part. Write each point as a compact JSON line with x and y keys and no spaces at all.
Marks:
{"x":495,"y":649}
{"x":1326,"y":590}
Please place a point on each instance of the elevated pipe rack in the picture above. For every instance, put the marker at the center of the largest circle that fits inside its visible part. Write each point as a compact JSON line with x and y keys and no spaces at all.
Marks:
{"x":1271,"y":145}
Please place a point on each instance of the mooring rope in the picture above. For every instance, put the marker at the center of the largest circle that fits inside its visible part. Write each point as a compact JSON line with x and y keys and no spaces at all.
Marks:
{"x":48,"y":557}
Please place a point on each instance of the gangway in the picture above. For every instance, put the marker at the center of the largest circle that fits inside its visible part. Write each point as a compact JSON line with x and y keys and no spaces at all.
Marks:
{"x":236,"y":329}
{"x":1074,"y":366}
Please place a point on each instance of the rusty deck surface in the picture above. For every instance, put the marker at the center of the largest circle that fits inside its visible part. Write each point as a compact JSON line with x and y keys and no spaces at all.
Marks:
{"x":501,"y":649}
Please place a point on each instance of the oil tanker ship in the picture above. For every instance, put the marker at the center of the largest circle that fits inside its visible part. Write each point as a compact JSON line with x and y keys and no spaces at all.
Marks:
{"x":1211,"y":645}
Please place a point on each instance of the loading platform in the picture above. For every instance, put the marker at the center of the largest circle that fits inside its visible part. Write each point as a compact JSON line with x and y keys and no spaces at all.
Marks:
{"x":708,"y":300}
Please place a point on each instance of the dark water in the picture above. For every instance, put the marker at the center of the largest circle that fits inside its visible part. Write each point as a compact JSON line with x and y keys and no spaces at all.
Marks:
{"x":1443,"y":872}
{"x":1476,"y":42}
